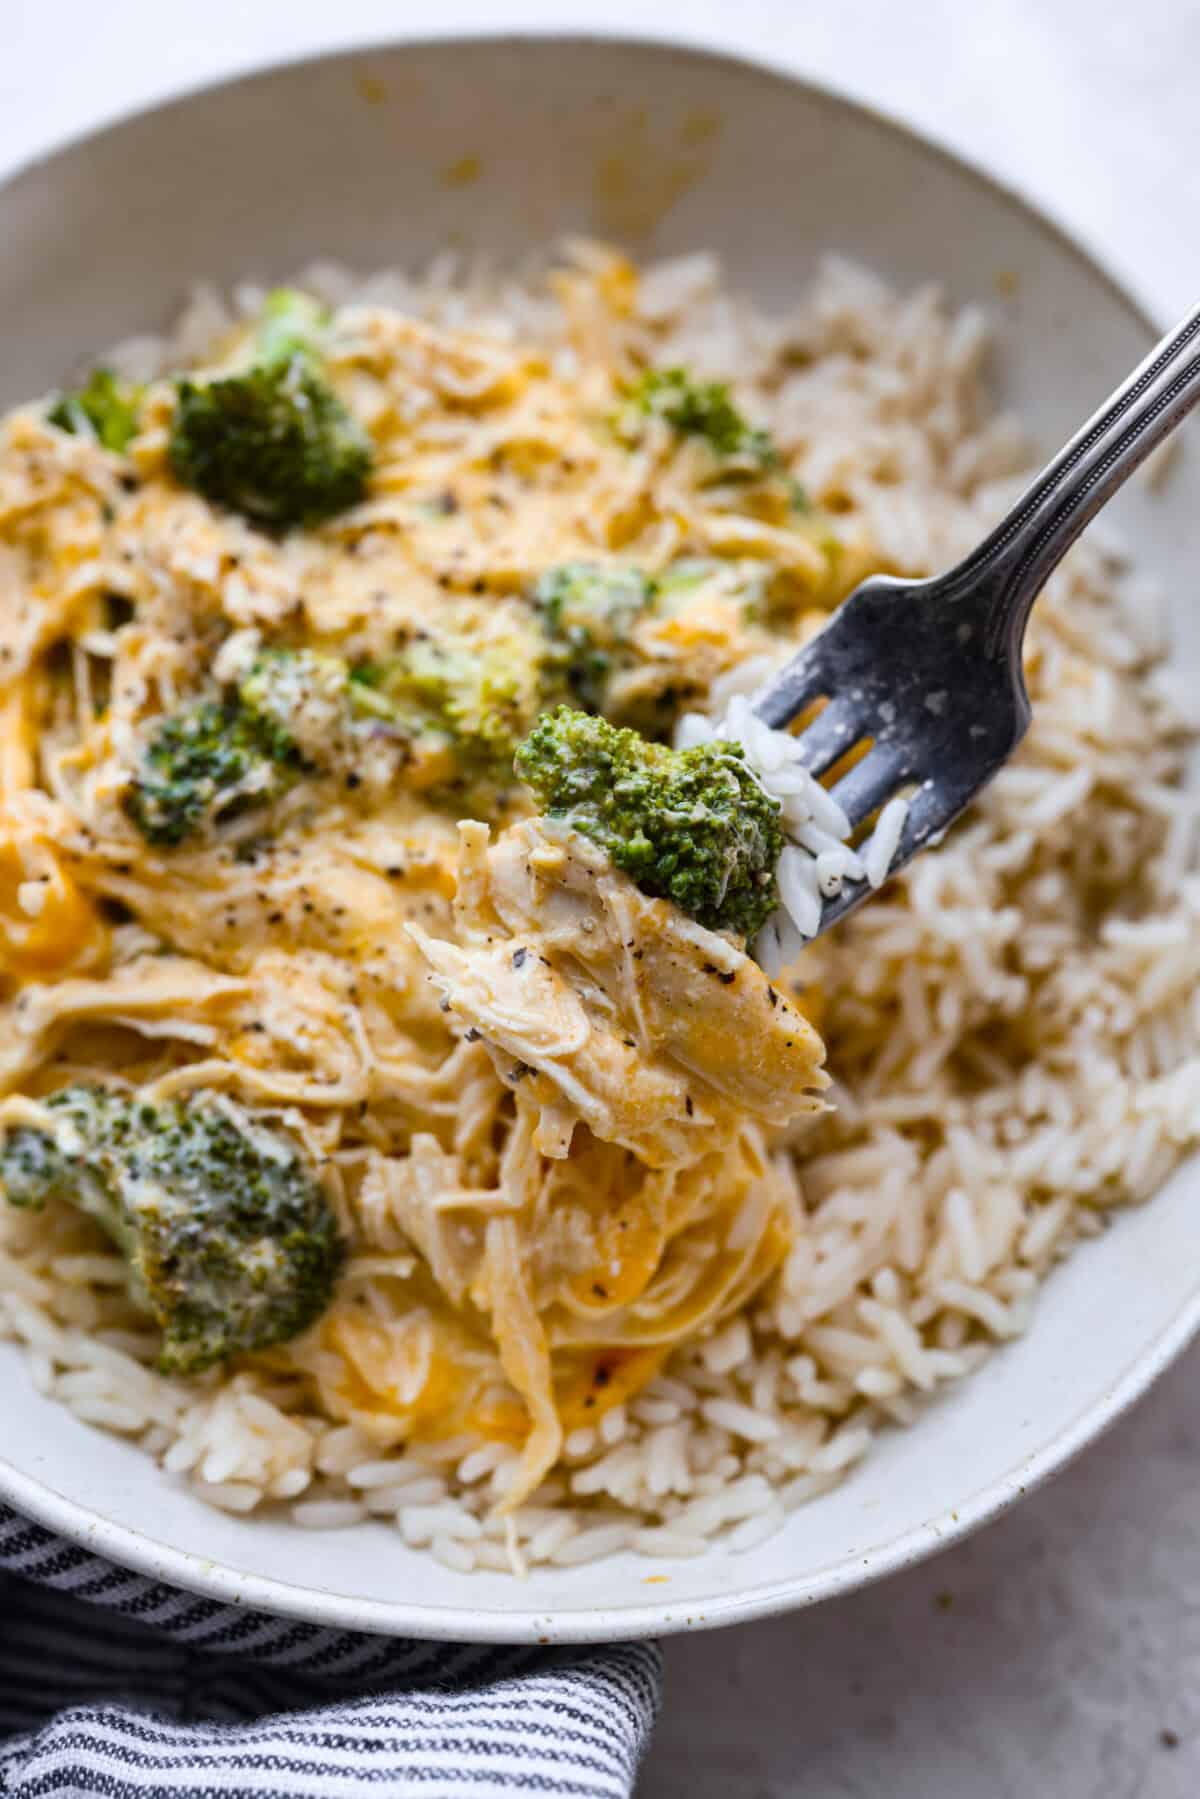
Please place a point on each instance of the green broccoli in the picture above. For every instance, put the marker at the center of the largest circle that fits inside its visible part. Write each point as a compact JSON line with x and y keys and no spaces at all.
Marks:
{"x":475,"y":699}
{"x":273,"y":441}
{"x":588,"y":610}
{"x":299,"y":712}
{"x":230,"y":1240}
{"x":209,"y":763}
{"x":105,"y":408}
{"x":692,"y":826}
{"x":300,"y":701}
{"x":475,"y":696}
{"x":699,"y":409}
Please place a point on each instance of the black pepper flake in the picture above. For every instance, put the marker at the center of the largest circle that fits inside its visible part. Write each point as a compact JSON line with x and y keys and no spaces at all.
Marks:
{"x":727,"y":977}
{"x":353,"y":780}
{"x":395,"y":871}
{"x":688,"y":1105}
{"x":599,"y":1291}
{"x":519,"y":956}
{"x":602,"y":1376}
{"x":472,"y":1035}
{"x":772,"y":998}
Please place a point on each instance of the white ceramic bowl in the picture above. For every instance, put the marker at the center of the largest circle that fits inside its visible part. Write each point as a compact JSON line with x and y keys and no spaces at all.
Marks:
{"x":362,"y":157}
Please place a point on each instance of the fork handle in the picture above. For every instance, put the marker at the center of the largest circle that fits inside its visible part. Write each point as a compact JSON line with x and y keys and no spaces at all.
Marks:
{"x":1008,"y":570}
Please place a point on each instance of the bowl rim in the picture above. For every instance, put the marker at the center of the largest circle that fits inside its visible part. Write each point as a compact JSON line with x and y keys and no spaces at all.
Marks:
{"x":132,"y":1548}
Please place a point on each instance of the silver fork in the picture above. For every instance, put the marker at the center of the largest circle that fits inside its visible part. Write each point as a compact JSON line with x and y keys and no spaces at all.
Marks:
{"x":931,"y":670}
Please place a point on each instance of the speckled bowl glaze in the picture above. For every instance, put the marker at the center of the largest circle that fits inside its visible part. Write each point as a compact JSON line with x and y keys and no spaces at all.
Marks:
{"x":501,"y":144}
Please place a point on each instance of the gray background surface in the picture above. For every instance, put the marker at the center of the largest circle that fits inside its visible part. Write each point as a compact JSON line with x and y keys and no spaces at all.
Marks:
{"x":1058,"y":1652}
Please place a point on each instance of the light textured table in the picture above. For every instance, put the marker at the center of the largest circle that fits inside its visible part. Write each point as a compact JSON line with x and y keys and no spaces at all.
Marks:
{"x":1059,"y":1651}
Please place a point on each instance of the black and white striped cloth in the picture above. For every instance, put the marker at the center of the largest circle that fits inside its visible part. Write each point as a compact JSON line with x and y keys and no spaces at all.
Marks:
{"x":113,"y":1686}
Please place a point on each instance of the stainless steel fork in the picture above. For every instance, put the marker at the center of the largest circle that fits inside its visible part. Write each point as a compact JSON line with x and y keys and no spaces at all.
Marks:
{"x":930,"y":671}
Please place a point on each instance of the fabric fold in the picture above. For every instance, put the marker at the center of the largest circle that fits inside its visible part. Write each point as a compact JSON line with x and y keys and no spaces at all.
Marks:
{"x":112,"y":1683}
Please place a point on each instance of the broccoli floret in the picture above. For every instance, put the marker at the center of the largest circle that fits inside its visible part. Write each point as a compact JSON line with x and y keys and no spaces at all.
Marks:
{"x":300,"y":700}
{"x":208,"y":763}
{"x":273,"y":441}
{"x":300,"y":712}
{"x":701,"y":409}
{"x":105,"y":408}
{"x":477,"y":698}
{"x":588,"y":610}
{"x":230,"y":1240}
{"x":275,"y":444}
{"x":692,"y":826}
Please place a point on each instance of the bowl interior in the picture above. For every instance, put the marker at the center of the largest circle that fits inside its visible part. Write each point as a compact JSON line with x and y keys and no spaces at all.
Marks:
{"x":502,"y":145}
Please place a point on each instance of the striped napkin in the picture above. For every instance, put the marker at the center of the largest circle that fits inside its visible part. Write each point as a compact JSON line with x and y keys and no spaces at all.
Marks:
{"x":112,"y":1684}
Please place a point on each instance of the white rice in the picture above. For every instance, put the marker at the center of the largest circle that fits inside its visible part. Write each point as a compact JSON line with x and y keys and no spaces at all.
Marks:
{"x":1061,"y":916}
{"x":328,"y":1514}
{"x":817,"y":861}
{"x":884,"y":841}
